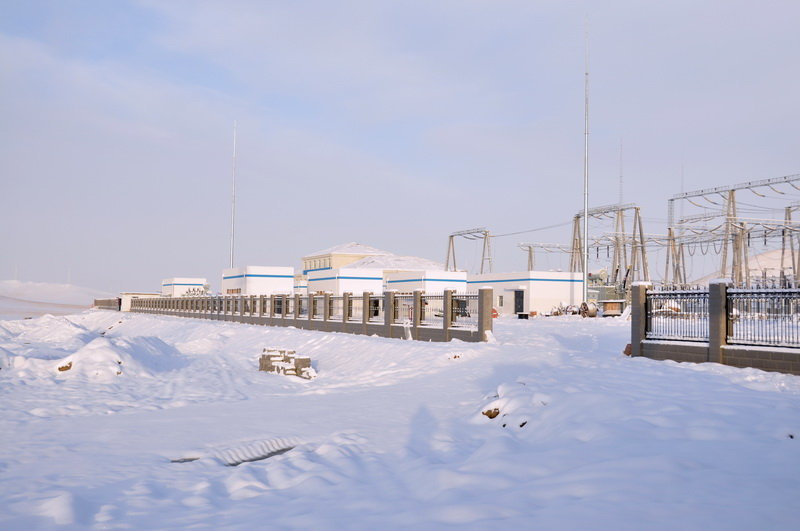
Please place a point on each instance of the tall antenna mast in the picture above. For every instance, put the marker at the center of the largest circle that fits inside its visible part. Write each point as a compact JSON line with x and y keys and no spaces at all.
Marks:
{"x":233,"y":194}
{"x":586,"y":168}
{"x":620,"y":170}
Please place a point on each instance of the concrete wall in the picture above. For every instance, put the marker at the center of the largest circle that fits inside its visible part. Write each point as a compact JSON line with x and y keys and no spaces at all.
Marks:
{"x":716,"y":348}
{"x":543,"y":290}
{"x":258,"y":280}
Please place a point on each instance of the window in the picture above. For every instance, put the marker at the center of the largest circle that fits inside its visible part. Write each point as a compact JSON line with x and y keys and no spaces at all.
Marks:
{"x":500,"y":300}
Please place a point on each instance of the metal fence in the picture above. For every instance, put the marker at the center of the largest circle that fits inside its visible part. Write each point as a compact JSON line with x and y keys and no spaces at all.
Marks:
{"x":403,"y":309}
{"x":677,"y":314}
{"x":465,"y":311}
{"x":424,"y":317}
{"x":764,"y":317}
{"x":432,"y":311}
{"x":375,"y":309}
{"x":336,"y":308}
{"x":356,"y":309}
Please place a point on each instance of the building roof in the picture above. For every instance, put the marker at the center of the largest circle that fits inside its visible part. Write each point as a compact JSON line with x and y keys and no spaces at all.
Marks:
{"x":393,"y":261}
{"x":350,"y":248}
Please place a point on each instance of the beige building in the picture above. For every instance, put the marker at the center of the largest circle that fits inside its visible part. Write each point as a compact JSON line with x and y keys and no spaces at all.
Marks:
{"x":339,"y":256}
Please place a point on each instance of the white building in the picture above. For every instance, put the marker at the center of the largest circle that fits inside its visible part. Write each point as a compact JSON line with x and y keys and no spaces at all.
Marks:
{"x":300,"y":284}
{"x":127,"y":296}
{"x":430,"y":281}
{"x":356,"y":268}
{"x":258,"y":280}
{"x":530,"y":291}
{"x":345,"y":279}
{"x":179,"y":286}
{"x":339,"y":256}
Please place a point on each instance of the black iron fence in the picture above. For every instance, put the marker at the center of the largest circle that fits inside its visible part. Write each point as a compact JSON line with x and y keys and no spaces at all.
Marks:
{"x":764,"y":317}
{"x":677,"y":314}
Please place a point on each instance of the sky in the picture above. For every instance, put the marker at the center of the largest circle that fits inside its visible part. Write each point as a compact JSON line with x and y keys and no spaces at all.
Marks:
{"x":391,"y":124}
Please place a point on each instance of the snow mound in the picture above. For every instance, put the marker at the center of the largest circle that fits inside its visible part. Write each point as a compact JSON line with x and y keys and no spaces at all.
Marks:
{"x":104,"y":360}
{"x":6,"y":359}
{"x":50,"y":329}
{"x":50,"y":292}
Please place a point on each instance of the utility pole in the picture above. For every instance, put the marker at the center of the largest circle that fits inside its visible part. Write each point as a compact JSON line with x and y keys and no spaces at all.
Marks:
{"x":586,"y":169}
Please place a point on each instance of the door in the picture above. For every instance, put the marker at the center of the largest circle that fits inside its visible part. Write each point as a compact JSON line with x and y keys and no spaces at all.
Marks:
{"x":519,"y":301}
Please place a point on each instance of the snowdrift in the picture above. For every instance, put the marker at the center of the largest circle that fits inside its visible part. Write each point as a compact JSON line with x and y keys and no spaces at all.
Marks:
{"x":548,"y":427}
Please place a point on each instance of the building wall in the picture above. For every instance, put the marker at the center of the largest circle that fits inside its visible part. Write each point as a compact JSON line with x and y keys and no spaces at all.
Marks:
{"x":300,"y":284}
{"x":258,"y":280}
{"x":338,"y":281}
{"x":542,"y":290}
{"x":428,"y":281}
{"x":178,"y":286}
{"x":330,"y":261}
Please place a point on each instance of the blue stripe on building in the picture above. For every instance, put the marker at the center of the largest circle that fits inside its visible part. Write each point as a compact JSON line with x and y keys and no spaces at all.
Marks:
{"x":305,"y":271}
{"x":526,"y":280}
{"x":428,"y":280}
{"x":257,"y":276}
{"x":344,"y":278}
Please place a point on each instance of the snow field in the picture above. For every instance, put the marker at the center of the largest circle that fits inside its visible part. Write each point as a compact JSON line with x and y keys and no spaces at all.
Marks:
{"x":391,"y":433}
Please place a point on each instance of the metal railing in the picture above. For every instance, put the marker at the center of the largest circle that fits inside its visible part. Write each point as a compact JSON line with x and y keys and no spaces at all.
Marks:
{"x":336,"y":308}
{"x":356,"y":309}
{"x":375,"y":309}
{"x":432,"y":311}
{"x":764,"y":317}
{"x":403,"y":309}
{"x":465,"y":311}
{"x":316,"y":304}
{"x":677,"y":314}
{"x":421,"y":316}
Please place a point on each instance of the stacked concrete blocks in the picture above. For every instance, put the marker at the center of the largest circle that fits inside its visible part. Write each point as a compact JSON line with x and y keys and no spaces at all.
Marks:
{"x":287,"y":362}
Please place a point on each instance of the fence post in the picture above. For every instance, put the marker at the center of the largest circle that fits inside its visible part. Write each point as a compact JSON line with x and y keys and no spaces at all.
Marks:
{"x":388,"y":311}
{"x":416,"y":316}
{"x":365,"y":309}
{"x":447,"y":309}
{"x":296,"y":306}
{"x":717,"y":318}
{"x":326,"y":306}
{"x":485,"y":323}
{"x":345,"y":310}
{"x":638,"y":316}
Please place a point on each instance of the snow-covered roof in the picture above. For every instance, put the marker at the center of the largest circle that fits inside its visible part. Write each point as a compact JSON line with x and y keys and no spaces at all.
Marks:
{"x":350,"y":248}
{"x":768,"y":261}
{"x":394,"y":261}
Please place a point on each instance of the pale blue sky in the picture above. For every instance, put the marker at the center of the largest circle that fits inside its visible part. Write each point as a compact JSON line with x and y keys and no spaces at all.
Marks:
{"x":388,"y":123}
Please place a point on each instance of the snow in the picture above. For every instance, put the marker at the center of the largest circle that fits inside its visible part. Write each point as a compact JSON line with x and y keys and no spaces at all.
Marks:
{"x":394,"y":261}
{"x":390,"y":433}
{"x":20,"y":299}
{"x":767,"y":261}
{"x":350,"y":248}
